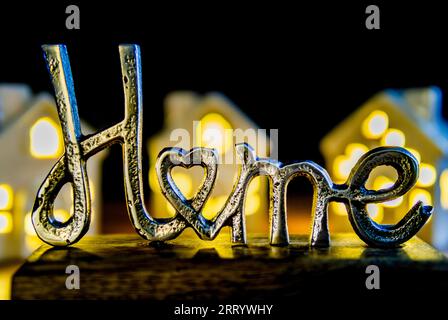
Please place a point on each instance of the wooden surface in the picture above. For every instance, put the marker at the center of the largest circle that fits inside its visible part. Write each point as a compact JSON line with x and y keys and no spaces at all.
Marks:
{"x":127,"y":267}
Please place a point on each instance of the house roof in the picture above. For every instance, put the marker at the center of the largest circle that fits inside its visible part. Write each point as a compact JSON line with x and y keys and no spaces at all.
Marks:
{"x":422,"y":106}
{"x":193,"y":106}
{"x":17,"y":102}
{"x":14,"y":133}
{"x":183,"y":107}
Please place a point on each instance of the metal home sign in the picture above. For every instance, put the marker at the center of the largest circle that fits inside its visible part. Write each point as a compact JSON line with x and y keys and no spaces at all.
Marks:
{"x":71,"y":168}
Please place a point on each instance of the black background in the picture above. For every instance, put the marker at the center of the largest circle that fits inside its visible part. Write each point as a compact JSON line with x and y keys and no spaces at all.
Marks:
{"x":298,"y":67}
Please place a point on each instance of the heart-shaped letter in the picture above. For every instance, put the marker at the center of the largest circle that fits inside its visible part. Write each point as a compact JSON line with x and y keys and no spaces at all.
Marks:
{"x":172,"y":157}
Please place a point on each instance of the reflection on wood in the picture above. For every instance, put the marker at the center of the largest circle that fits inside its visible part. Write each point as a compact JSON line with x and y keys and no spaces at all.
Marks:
{"x":128,"y":267}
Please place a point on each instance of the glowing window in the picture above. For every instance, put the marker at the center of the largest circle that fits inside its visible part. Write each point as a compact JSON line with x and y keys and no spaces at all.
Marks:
{"x":5,"y":222}
{"x":419,"y":195}
{"x":376,"y":212}
{"x":343,"y":164}
{"x":46,"y":139}
{"x":393,"y":137}
{"x":215,"y":132}
{"x":354,"y":151}
{"x":375,"y":124}
{"x":382,"y":182}
{"x":393,"y":203}
{"x":444,"y":189}
{"x":6,"y":197}
{"x":342,"y":167}
{"x":427,"y":175}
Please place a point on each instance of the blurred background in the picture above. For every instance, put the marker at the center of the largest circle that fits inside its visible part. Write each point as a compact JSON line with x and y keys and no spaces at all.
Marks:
{"x":305,"y":70}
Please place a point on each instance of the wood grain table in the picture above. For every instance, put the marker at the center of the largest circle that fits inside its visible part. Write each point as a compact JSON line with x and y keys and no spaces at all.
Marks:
{"x":128,"y":267}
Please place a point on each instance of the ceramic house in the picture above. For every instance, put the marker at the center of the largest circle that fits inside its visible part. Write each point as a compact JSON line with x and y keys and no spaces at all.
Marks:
{"x":209,"y":121}
{"x":31,"y":142}
{"x":408,"y":118}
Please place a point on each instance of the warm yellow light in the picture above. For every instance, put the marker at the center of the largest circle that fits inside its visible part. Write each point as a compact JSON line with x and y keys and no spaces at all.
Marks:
{"x":338,"y":208}
{"x":213,"y":206}
{"x":46,"y":139}
{"x":61,"y":215}
{"x":29,"y":228}
{"x":415,"y":153}
{"x":427,"y":175}
{"x":382,"y":182}
{"x":6,"y":197}
{"x":153,"y":182}
{"x":375,"y":124}
{"x":419,"y":195}
{"x":170,"y":209}
{"x":92,"y":191}
{"x":444,"y":189}
{"x":5,"y":285}
{"x":393,"y":137}
{"x":254,"y":186}
{"x":393,"y":203}
{"x":184,"y":183}
{"x":342,"y":167}
{"x":215,"y":132}
{"x":32,"y":242}
{"x":252,"y":204}
{"x":354,"y":151}
{"x":7,"y":272}
{"x":343,"y":164}
{"x":5,"y":222}
{"x":376,"y":212}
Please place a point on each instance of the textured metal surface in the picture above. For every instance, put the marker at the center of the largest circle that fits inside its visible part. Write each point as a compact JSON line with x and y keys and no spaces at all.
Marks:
{"x":128,"y":133}
{"x":356,"y":196}
{"x":78,"y":148}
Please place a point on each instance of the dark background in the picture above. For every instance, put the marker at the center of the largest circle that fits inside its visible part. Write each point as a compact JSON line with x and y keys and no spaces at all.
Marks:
{"x":301,"y":68}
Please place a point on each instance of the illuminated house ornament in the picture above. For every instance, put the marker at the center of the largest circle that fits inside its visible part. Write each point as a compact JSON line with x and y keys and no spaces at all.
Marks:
{"x":31,"y":134}
{"x":209,"y":121}
{"x":375,"y":125}
{"x":406,"y":118}
{"x":128,"y":133}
